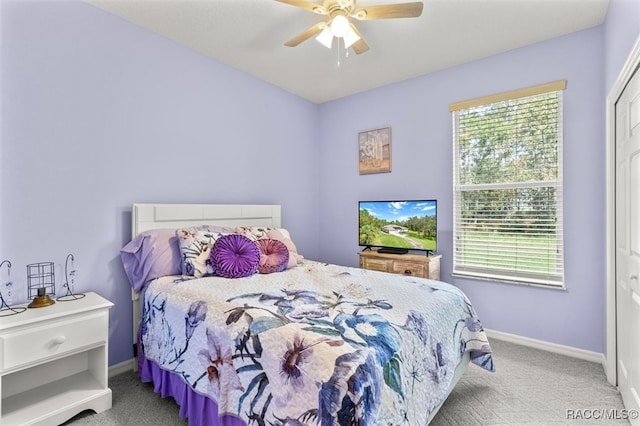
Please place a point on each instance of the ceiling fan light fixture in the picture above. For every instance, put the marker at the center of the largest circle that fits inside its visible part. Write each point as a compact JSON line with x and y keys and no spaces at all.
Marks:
{"x":340,"y":26}
{"x":326,"y":37}
{"x":350,"y":37}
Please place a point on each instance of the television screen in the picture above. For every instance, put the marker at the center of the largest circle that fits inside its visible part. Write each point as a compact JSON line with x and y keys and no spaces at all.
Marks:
{"x":398,"y":226}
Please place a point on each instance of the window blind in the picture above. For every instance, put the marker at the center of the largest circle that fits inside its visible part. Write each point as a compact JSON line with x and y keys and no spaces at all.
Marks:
{"x":508,"y":187}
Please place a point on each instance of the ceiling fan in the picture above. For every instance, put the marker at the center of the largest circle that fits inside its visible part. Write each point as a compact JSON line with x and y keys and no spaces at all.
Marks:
{"x":338,"y":24}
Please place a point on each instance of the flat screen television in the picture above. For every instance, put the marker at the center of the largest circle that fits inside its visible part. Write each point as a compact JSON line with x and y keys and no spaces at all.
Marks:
{"x":398,"y":226}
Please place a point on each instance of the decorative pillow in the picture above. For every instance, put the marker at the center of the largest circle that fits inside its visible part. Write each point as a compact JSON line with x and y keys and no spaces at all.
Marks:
{"x":213,"y":228}
{"x":283,"y":235}
{"x":195,"y":247}
{"x":150,"y":255}
{"x":256,"y":233}
{"x":274,"y":256}
{"x":235,"y":256}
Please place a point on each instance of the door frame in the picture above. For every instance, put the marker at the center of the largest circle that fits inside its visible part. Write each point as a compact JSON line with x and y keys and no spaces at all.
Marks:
{"x":631,"y":64}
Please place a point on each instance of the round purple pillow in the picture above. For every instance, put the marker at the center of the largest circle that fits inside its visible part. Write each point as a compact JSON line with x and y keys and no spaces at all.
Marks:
{"x":274,"y":256}
{"x":234,"y":256}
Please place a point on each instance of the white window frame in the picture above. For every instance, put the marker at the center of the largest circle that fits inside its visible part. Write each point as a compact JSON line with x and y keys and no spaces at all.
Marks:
{"x":487,"y":270}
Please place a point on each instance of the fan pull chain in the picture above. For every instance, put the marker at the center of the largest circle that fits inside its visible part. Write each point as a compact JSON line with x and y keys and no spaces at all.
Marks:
{"x":338,"y":52}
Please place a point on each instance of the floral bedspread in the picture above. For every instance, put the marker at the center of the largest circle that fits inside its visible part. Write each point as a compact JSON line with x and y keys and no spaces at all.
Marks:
{"x":318,"y":344}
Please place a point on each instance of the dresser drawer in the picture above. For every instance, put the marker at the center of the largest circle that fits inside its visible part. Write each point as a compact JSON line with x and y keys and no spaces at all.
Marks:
{"x":376,"y":265}
{"x":38,"y":343}
{"x":408,"y":268}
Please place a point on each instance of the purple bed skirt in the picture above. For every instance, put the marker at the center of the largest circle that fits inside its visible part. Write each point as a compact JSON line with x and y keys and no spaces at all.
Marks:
{"x":200,"y":410}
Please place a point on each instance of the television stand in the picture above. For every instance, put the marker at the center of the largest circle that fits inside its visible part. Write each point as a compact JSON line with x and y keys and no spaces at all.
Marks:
{"x":392,"y":250}
{"x":406,"y":264}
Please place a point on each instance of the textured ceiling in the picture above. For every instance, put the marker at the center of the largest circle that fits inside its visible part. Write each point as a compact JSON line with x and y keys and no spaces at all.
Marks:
{"x":250,"y":34}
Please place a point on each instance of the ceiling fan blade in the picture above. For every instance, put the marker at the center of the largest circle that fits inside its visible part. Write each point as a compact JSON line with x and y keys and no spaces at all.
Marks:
{"x":306,"y":34}
{"x":311,"y":7}
{"x":359,"y":46}
{"x":388,"y":11}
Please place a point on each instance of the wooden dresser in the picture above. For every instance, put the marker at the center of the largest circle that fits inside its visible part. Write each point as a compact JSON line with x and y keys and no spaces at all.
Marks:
{"x":406,"y":264}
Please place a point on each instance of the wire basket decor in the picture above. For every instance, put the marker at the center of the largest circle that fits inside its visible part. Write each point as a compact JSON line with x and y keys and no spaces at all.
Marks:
{"x":41,"y":276}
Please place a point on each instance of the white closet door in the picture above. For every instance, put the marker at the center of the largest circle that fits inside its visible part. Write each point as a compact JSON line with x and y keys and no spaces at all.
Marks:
{"x":628,"y":243}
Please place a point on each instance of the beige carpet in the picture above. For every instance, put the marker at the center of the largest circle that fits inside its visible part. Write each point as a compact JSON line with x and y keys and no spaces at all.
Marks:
{"x":530,"y":387}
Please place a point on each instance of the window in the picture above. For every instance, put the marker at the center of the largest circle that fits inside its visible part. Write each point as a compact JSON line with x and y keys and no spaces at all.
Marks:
{"x":508,"y":186}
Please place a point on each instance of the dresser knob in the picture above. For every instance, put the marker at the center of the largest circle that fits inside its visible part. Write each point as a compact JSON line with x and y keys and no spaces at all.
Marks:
{"x":407,"y":272}
{"x":58,"y":340}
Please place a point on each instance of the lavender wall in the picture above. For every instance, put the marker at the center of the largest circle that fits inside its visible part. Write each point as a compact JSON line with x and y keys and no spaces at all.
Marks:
{"x":417,"y":111}
{"x":92,"y":106}
{"x":2,"y":43}
{"x":622,"y":29}
{"x":100,"y":114}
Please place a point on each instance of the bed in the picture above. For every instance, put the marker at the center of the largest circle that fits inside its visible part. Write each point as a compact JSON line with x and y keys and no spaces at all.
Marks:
{"x":243,"y":330}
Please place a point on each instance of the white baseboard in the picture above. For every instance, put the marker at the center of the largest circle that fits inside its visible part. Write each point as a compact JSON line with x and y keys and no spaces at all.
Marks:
{"x":121,"y":367}
{"x":549,"y":347}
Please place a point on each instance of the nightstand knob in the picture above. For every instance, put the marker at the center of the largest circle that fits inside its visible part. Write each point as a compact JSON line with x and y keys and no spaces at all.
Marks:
{"x":58,"y":340}
{"x":408,"y":272}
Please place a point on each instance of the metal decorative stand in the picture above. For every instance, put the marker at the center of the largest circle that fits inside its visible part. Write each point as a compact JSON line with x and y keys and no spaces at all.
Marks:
{"x":70,"y":295}
{"x":5,"y":309}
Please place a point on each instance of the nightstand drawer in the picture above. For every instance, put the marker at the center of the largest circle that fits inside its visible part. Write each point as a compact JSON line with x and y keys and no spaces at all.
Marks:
{"x":39,"y":343}
{"x":408,"y":268}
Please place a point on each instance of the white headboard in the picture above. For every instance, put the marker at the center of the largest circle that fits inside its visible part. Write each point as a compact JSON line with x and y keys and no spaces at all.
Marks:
{"x":159,"y":216}
{"x":145,"y":217}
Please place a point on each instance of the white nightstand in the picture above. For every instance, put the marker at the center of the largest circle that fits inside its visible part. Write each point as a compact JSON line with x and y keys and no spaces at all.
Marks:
{"x":54,"y":362}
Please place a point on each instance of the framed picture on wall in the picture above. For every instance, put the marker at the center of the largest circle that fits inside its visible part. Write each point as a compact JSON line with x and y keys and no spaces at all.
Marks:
{"x":374,"y":147}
